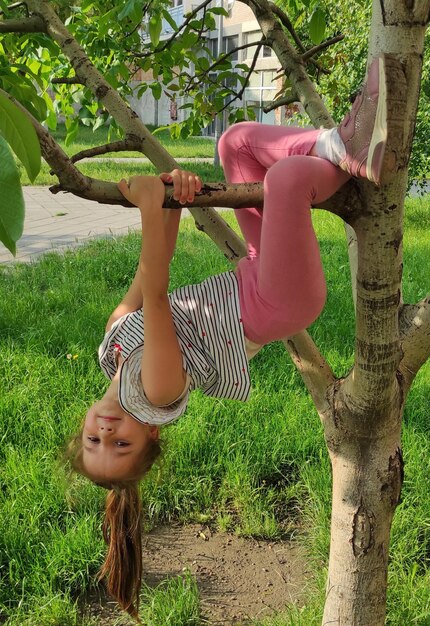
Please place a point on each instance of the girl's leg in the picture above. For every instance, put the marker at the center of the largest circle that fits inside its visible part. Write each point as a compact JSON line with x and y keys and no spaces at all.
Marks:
{"x":282,"y":291}
{"x":247,"y":150}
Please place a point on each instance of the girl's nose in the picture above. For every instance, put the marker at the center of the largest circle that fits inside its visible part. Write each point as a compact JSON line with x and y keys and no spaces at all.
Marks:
{"x":107,"y":428}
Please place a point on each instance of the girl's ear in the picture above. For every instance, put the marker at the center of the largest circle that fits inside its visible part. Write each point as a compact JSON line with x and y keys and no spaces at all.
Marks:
{"x":154,"y":432}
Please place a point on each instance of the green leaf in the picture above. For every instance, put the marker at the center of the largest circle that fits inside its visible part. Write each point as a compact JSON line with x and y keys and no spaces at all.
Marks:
{"x":11,"y":199}
{"x":100,"y":121}
{"x":317,"y":26}
{"x":72,"y":131}
{"x":128,"y":8}
{"x":156,"y":90}
{"x":18,"y":131}
{"x":218,"y":11}
{"x":154,"y":28}
{"x":203,"y":63}
{"x":169,"y":19}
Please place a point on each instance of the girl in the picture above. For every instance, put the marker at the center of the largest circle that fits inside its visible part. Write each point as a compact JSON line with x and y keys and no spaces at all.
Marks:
{"x":159,"y":347}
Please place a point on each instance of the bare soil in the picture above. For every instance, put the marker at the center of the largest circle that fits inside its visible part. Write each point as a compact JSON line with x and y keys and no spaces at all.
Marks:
{"x":239,"y":579}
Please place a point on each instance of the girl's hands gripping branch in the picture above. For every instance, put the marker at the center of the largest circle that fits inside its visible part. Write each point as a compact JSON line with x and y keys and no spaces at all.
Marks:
{"x":185,"y":184}
{"x":144,"y":191}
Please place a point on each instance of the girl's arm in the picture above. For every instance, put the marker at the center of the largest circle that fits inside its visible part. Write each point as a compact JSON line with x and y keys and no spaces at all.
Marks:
{"x":132,"y":300}
{"x":163,"y":376}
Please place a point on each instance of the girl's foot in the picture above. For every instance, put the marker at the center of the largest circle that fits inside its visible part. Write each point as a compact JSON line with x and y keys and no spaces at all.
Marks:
{"x":364,"y":129}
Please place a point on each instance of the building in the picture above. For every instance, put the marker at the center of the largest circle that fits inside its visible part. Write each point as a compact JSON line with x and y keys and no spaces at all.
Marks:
{"x":238,"y":29}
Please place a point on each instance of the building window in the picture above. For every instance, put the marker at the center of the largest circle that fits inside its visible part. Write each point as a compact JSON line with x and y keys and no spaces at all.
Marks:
{"x":230,"y":43}
{"x":213,"y":47}
{"x":254,"y":37}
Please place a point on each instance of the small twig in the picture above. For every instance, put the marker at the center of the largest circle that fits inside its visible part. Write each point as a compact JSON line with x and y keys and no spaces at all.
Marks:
{"x":322,"y":46}
{"x":285,"y":21}
{"x":225,"y":55}
{"x":115,"y":146}
{"x":239,"y":95}
{"x":285,"y":100}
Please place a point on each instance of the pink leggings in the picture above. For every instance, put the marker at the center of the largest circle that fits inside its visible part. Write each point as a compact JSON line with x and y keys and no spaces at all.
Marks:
{"x":281,"y":281}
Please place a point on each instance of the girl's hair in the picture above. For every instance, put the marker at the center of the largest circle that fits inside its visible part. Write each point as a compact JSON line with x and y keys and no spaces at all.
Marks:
{"x":122,"y":526}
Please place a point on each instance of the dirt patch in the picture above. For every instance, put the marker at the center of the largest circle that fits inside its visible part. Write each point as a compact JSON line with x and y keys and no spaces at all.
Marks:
{"x":239,"y":579}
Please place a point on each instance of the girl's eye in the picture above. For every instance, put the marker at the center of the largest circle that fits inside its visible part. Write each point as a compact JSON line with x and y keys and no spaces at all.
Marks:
{"x":93,"y":439}
{"x":122,"y":444}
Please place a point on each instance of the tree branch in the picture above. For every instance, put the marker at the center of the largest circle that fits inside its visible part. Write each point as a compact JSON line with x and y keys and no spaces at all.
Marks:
{"x":285,"y":100}
{"x":68,"y":80}
{"x":285,"y":21}
{"x":414,"y":325}
{"x":23,"y":25}
{"x":322,"y":46}
{"x":116,"y":146}
{"x":225,"y":56}
{"x":240,"y":93}
{"x":313,"y":368}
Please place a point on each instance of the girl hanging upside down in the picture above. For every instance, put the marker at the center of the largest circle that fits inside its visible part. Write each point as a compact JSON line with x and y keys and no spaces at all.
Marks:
{"x":159,"y":347}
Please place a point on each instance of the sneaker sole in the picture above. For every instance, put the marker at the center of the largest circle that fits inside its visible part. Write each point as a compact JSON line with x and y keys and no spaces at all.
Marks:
{"x":379,"y":135}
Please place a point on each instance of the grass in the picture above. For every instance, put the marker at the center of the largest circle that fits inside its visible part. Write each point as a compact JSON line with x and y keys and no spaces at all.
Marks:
{"x":114,"y":171}
{"x":259,"y":468}
{"x":192,"y":147}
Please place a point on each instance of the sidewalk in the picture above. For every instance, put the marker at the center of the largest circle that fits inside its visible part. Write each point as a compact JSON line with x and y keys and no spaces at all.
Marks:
{"x":61,"y":221}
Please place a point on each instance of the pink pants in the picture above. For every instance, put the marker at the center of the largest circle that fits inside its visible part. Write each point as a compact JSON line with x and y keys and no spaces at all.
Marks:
{"x":281,"y":281}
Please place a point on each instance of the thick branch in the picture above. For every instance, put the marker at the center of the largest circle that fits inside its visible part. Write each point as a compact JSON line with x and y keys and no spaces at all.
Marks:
{"x":115,"y":146}
{"x":24,"y":25}
{"x":414,"y":324}
{"x":313,"y":368}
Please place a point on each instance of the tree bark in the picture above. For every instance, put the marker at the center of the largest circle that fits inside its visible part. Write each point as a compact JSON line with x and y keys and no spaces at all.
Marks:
{"x":363,"y":430}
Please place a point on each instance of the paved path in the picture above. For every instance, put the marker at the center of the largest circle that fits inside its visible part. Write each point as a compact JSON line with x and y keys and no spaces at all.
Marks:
{"x":61,"y":221}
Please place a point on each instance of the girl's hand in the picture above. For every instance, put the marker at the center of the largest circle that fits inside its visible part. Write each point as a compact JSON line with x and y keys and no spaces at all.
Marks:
{"x":143,"y":191}
{"x":185,"y":184}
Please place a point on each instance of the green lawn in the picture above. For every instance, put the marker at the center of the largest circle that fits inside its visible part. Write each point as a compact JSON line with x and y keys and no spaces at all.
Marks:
{"x":192,"y":147}
{"x":258,"y":468}
{"x":114,"y":171}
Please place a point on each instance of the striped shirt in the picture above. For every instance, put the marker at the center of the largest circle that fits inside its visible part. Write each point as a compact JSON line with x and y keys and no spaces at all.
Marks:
{"x":210,"y":334}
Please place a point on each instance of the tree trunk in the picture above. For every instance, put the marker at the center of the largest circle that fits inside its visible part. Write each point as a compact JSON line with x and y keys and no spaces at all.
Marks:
{"x":363,"y":428}
{"x":367,"y":477}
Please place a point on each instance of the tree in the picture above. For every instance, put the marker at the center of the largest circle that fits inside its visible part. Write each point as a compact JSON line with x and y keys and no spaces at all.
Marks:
{"x":362,"y":411}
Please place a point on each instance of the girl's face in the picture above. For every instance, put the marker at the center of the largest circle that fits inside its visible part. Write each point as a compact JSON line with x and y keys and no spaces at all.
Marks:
{"x":113,"y":441}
